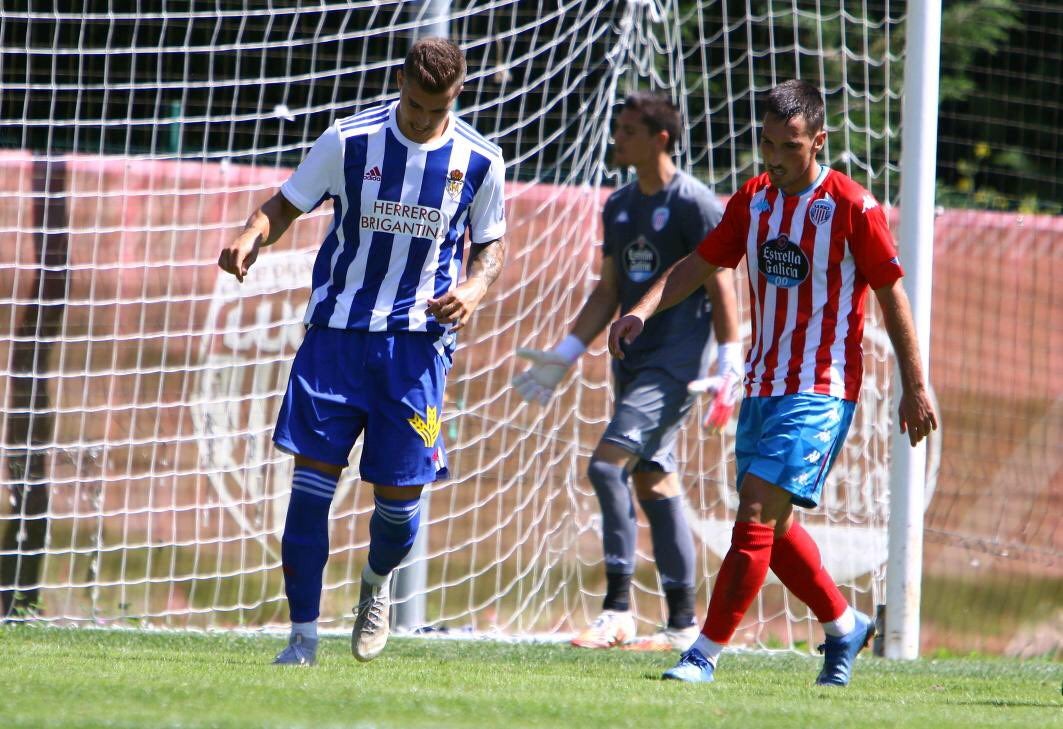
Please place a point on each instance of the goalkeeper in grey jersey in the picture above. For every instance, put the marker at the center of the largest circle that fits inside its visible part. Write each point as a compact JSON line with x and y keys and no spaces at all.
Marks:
{"x":649,"y":225}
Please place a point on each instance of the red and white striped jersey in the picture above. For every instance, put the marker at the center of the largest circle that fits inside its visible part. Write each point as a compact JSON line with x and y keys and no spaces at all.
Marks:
{"x":810,"y":258}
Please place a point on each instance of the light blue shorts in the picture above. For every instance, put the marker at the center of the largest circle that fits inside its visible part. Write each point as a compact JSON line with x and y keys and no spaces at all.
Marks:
{"x":387,"y":384}
{"x":792,"y":441}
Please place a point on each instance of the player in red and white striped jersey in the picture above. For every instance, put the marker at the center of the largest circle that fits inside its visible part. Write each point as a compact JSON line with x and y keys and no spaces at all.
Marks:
{"x":814,"y":241}
{"x":811,"y":257}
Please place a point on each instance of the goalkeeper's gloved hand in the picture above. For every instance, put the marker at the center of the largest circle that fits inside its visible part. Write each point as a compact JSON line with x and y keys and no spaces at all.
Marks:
{"x":724,"y":387}
{"x":547,"y":369}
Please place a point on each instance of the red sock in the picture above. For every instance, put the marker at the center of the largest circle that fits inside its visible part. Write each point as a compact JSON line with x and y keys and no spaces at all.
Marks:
{"x":741,"y":576}
{"x":795,"y":560}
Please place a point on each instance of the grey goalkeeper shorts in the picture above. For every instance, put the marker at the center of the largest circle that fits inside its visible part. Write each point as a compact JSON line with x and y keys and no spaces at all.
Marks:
{"x":651,"y":406}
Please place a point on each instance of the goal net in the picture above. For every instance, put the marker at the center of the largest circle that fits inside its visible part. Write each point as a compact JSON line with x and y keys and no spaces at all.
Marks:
{"x":141,"y":385}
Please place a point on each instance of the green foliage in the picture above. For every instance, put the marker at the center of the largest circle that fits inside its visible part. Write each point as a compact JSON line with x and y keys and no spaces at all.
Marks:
{"x":863,"y":97}
{"x":863,"y":107}
{"x":998,"y":144}
{"x":969,"y":28}
{"x":93,"y":678}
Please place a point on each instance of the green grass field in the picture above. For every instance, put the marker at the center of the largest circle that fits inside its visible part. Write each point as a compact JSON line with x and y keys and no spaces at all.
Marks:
{"x":94,"y":678}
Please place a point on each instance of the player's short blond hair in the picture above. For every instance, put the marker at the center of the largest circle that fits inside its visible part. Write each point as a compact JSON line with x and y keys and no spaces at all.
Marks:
{"x":435,"y":64}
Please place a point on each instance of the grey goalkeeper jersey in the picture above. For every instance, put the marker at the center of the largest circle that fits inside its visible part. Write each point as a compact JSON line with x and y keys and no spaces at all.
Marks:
{"x":644,"y":236}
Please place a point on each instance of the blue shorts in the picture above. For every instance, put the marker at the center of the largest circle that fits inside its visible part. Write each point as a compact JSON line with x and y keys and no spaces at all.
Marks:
{"x":792,"y":441}
{"x":388,"y":384}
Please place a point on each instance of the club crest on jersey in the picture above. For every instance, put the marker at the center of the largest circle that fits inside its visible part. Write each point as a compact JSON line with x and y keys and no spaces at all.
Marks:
{"x":660,"y":218}
{"x":783,"y":262}
{"x":426,"y":427}
{"x":455,"y":181}
{"x":821,"y":211}
{"x":640,"y":260}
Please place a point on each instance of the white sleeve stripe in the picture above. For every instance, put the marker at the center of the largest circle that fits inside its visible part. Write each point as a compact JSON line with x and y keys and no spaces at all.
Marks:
{"x":470,"y":129}
{"x":380,"y":112}
{"x":474,"y":138}
{"x":366,"y":129}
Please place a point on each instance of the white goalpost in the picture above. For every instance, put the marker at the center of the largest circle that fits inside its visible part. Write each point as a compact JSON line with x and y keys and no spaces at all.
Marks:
{"x":141,"y":384}
{"x":908,"y":474}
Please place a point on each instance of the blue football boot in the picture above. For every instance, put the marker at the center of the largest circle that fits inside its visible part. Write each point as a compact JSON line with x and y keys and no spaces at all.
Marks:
{"x":693,"y":667}
{"x":839,"y":652}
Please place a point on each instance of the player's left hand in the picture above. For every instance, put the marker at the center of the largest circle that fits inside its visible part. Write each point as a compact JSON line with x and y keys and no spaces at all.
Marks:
{"x":724,"y":390}
{"x":457,"y":305}
{"x":916,"y":414}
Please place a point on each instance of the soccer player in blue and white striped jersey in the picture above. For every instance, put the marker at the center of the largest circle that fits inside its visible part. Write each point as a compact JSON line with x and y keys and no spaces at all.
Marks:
{"x":406,"y":181}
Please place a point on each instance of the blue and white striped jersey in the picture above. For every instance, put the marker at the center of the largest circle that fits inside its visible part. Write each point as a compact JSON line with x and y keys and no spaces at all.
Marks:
{"x":400,"y":211}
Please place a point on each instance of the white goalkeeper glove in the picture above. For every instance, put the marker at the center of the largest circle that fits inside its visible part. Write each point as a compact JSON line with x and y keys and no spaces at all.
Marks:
{"x":724,"y":387}
{"x":547,"y":369}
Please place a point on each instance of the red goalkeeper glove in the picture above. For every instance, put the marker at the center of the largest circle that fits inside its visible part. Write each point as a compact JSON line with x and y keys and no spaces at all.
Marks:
{"x":724,"y":388}
{"x":724,"y":391}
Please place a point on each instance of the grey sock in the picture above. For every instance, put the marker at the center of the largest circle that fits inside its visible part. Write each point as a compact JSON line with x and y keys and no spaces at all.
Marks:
{"x":618,"y":515}
{"x":673,"y":544}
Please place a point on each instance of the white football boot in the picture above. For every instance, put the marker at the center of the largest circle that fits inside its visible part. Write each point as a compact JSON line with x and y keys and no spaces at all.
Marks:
{"x":610,"y":629}
{"x":372,"y":620}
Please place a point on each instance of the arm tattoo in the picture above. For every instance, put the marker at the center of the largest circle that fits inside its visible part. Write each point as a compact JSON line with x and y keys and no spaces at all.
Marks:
{"x":486,"y":261}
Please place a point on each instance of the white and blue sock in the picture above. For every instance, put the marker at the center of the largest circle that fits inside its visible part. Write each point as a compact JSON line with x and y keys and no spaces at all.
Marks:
{"x":708,"y":648}
{"x":392,"y":529}
{"x":841,"y":625}
{"x":304,"y":546}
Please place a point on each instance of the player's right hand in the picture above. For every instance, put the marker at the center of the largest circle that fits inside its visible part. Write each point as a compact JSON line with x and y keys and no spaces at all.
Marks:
{"x":540,"y":380}
{"x":237,"y":257}
{"x":623,"y":331}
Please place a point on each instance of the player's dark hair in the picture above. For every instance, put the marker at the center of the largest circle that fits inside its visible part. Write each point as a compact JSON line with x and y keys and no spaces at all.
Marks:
{"x":435,"y":64}
{"x":658,"y":114}
{"x":797,"y":97}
